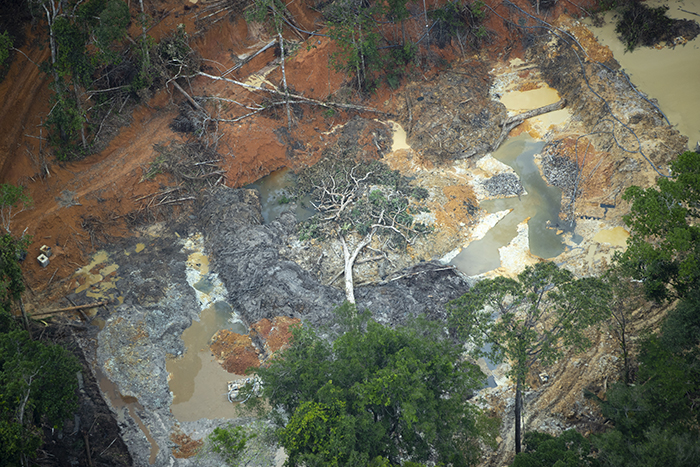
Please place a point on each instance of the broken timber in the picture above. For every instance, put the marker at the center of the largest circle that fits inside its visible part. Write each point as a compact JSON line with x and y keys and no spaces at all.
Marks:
{"x":515,"y":120}
{"x":72,"y":308}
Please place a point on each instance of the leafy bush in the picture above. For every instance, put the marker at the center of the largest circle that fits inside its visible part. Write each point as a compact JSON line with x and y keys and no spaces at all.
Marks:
{"x":229,"y":442}
{"x":640,"y":24}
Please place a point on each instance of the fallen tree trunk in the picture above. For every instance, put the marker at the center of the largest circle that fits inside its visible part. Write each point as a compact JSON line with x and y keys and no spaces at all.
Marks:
{"x":306,"y":100}
{"x":72,"y":308}
{"x":515,"y":120}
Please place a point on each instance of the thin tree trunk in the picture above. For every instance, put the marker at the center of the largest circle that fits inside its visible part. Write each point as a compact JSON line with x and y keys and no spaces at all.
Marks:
{"x":350,"y":262}
{"x":518,"y":414}
{"x":284,"y":82}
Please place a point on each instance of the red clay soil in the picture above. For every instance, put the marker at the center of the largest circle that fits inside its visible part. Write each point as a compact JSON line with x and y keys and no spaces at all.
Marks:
{"x":185,"y":446}
{"x":276,"y":333}
{"x":234,"y":352}
{"x":79,"y":204}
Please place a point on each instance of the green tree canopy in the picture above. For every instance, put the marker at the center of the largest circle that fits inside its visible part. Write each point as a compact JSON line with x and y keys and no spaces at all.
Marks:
{"x":656,"y":417}
{"x":38,"y":385}
{"x":529,"y":319}
{"x":663,"y":246}
{"x":570,"y":449}
{"x":5,"y":47}
{"x":375,"y":391}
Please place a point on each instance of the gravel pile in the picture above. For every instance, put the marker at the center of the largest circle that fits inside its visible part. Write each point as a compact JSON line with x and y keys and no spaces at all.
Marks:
{"x":561,"y":172}
{"x":504,"y":184}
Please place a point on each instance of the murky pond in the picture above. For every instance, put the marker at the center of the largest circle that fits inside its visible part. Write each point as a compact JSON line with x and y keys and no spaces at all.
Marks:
{"x":276,"y":196}
{"x":541,"y":205}
{"x":197,"y":381}
{"x":669,"y":75}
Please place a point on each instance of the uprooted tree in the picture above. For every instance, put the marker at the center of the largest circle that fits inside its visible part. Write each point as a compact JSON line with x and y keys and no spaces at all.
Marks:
{"x":359,"y":202}
{"x":529,"y":320}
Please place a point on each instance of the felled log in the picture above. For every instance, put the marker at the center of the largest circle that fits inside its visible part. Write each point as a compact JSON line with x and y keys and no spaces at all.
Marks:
{"x":515,"y":120}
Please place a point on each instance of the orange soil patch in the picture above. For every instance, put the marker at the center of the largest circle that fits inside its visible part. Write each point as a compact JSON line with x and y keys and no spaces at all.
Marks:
{"x":596,"y":167}
{"x":586,"y":38}
{"x":276,"y":333}
{"x":90,"y":201}
{"x":460,"y":199}
{"x":185,"y":446}
{"x":234,"y":352}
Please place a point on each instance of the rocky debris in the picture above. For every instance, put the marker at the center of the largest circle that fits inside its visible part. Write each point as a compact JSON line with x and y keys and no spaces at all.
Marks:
{"x":127,"y":355}
{"x":246,"y":255}
{"x":422,"y":289}
{"x":504,"y":184}
{"x":614,"y":117}
{"x":251,"y":260}
{"x":559,"y":171}
{"x":451,"y":115}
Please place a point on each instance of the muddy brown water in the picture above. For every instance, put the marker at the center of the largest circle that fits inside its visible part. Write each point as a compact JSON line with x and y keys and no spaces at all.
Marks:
{"x":669,"y":75}
{"x":541,"y":204}
{"x":132,"y":405}
{"x":197,"y":381}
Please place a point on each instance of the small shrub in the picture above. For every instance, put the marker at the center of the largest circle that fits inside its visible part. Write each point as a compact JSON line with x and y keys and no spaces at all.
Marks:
{"x":229,"y":442}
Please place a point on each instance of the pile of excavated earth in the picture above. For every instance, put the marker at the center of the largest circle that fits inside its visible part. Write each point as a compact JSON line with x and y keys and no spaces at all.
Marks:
{"x":198,"y":291}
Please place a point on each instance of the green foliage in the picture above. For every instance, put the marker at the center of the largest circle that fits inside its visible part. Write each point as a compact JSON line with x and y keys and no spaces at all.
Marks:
{"x":72,"y":58}
{"x":5,"y":47}
{"x":663,"y":249}
{"x":375,"y":391}
{"x":544,"y":450}
{"x":38,"y":385}
{"x":262,"y":10}
{"x":113,"y":21}
{"x":229,"y":442}
{"x":459,"y":21}
{"x":17,"y":442}
{"x":639,"y":24}
{"x":146,"y":75}
{"x":528,"y":320}
{"x":656,"y":417}
{"x":11,"y":284}
{"x":65,"y":123}
{"x":13,"y":200}
{"x":352,"y":181}
{"x":240,"y":445}
{"x":351,"y":26}
{"x":532,"y":318}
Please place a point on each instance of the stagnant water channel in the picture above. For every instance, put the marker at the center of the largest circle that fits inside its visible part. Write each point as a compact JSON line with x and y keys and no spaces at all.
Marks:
{"x":540,"y":204}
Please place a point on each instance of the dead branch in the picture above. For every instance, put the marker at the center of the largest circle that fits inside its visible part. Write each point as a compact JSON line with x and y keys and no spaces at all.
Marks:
{"x":350,"y":259}
{"x":515,"y":120}
{"x":72,"y":308}
{"x":188,"y":97}
{"x":306,"y":100}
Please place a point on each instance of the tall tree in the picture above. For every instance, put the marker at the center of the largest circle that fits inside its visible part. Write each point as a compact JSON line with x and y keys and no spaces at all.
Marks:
{"x":533,"y":318}
{"x":38,"y":384}
{"x":663,"y":249}
{"x":375,"y":391}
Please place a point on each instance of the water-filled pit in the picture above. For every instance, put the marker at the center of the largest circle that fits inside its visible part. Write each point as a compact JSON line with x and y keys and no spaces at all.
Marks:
{"x":669,"y":75}
{"x":541,"y":205}
{"x":276,"y":196}
{"x":197,"y":381}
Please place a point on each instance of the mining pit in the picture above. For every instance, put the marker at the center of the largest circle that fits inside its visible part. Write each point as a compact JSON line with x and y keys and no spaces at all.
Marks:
{"x":202,"y":286}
